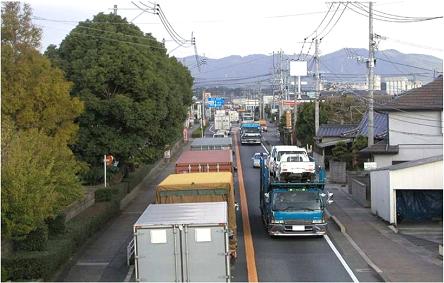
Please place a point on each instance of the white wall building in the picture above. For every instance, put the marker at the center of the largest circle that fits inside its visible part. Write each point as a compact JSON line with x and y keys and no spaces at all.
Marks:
{"x":415,"y":126}
{"x":398,"y":191}
{"x":397,"y":85}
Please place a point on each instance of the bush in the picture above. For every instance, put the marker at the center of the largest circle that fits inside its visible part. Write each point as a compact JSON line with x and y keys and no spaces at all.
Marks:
{"x":56,"y":225}
{"x":197,"y":133}
{"x":25,"y":266}
{"x":34,"y":265}
{"x":93,"y":176}
{"x":104,"y":194}
{"x":34,"y":241}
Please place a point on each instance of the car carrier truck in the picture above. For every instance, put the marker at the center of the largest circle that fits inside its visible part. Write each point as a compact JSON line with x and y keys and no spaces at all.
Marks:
{"x":293,"y":209}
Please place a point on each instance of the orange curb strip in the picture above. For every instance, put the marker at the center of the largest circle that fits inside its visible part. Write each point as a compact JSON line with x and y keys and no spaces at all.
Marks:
{"x":248,"y":239}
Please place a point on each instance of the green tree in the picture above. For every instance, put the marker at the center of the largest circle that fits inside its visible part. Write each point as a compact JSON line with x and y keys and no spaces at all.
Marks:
{"x":38,"y":180}
{"x":360,"y":142}
{"x":135,"y":95}
{"x":340,"y":151}
{"x":38,"y":169}
{"x":305,"y":128}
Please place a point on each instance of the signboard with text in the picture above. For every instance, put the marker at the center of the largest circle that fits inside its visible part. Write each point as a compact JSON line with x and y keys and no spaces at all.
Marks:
{"x":215,"y":102}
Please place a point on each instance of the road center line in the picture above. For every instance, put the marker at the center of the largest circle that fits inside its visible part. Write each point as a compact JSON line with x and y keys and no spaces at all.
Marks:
{"x":265,"y":148}
{"x":341,"y":259}
{"x":248,"y":239}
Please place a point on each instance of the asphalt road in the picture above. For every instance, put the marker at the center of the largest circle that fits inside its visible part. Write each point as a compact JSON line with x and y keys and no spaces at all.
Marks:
{"x":276,"y":259}
{"x":286,"y":258}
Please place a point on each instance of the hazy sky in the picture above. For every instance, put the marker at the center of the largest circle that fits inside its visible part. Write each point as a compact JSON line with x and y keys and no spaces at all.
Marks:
{"x":230,"y":27}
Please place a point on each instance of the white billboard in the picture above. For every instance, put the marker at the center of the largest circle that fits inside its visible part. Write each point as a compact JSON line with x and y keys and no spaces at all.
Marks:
{"x":298,"y":68}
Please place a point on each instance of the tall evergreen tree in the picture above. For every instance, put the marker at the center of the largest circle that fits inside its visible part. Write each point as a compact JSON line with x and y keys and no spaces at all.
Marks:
{"x":38,"y":168}
{"x":135,"y":95}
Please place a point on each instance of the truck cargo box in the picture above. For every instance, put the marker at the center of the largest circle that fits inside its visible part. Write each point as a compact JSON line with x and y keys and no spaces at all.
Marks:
{"x":201,"y":187}
{"x":205,"y":161}
{"x":185,"y":242}
{"x":211,"y":144}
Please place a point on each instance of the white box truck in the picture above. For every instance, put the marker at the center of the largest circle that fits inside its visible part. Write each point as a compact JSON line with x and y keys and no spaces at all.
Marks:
{"x":183,"y":242}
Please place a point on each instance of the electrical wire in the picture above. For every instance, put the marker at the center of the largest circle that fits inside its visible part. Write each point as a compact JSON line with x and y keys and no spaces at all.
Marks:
{"x":364,"y":12}
{"x":337,"y":20}
{"x":331,"y":18}
{"x":305,"y":39}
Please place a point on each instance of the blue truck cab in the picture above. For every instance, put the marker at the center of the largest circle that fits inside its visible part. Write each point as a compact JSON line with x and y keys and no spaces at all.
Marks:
{"x":293,"y":209}
{"x":250,"y":133}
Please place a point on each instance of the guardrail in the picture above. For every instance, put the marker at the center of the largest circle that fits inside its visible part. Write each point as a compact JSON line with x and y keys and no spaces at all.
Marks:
{"x":129,"y":252}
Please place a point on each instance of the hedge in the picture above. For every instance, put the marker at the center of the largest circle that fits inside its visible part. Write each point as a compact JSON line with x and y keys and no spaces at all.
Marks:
{"x":66,"y":238}
{"x":27,"y":265}
{"x":197,"y":133}
{"x":34,"y":241}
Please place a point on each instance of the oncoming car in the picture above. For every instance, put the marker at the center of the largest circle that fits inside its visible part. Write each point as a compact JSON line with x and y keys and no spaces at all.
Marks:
{"x":257,"y":158}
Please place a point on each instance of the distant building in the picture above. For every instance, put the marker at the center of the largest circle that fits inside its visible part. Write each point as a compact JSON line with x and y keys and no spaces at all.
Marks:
{"x":397,"y":85}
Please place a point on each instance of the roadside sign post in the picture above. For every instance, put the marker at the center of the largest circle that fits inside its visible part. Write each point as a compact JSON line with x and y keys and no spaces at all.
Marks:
{"x":107,"y":160}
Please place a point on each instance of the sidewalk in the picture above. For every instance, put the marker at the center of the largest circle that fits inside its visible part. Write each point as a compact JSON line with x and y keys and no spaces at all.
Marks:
{"x":103,"y":258}
{"x":390,"y":254}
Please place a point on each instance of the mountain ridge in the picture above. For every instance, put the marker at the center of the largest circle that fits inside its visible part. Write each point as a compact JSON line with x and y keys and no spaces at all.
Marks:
{"x":346,"y":64}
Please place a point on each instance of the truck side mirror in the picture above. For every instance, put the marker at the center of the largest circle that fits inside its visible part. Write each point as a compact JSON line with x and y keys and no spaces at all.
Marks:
{"x":329,"y":198}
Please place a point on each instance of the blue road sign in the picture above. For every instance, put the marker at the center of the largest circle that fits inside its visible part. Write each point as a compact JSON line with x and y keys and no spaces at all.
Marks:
{"x":215,"y":102}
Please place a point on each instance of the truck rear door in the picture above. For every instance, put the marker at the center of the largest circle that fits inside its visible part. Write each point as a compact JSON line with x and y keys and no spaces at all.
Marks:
{"x":157,"y":254}
{"x":205,"y":254}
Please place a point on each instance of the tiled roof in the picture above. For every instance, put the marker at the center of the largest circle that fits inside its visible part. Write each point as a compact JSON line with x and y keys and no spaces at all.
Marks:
{"x":381,"y":148}
{"x":334,"y":130}
{"x":412,"y":163}
{"x":427,"y":97}
{"x":379,"y":124}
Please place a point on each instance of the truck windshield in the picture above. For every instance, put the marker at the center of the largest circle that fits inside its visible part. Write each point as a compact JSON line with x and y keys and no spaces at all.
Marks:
{"x":251,"y":130}
{"x":294,"y":201}
{"x":280,"y":153}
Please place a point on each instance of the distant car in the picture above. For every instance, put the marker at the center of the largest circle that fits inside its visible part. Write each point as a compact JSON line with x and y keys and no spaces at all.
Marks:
{"x":220,"y":134}
{"x":257,"y":158}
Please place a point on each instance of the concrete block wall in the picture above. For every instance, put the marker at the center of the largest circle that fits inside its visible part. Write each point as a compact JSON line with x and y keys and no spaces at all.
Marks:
{"x":338,"y":173}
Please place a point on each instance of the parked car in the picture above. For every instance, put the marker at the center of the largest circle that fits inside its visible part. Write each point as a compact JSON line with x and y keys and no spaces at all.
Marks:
{"x":257,"y":158}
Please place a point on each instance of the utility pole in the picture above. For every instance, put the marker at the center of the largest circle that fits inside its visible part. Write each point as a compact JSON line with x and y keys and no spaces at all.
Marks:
{"x":371,"y":65}
{"x":318,"y":86}
{"x":296,"y":94}
{"x":281,"y":84}
{"x":202,"y":117}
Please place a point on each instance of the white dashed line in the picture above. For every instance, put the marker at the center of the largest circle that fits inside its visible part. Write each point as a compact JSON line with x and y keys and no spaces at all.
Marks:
{"x":341,"y":259}
{"x":266,"y":150}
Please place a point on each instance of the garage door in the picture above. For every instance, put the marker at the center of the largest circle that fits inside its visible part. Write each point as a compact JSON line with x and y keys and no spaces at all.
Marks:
{"x":418,"y":205}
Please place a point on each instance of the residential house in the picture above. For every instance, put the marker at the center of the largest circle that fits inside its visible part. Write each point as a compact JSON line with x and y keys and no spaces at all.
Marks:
{"x":408,"y":181}
{"x":415,"y":126}
{"x":327,"y":137}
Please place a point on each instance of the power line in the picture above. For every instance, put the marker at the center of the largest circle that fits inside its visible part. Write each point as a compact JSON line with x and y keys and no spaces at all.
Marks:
{"x":331,"y":18}
{"x":234,"y":78}
{"x":364,"y":12}
{"x":337,"y":20}
{"x":305,"y":39}
{"x":407,"y":65}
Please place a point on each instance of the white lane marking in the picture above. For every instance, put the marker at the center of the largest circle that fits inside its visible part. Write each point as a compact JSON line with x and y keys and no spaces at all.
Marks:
{"x":266,"y":150}
{"x":211,"y":128}
{"x":341,"y":259}
{"x":129,"y":274}
{"x":85,"y":263}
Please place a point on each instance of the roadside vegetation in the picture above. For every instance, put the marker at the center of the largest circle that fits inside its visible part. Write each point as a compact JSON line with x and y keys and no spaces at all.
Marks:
{"x":108,"y":89}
